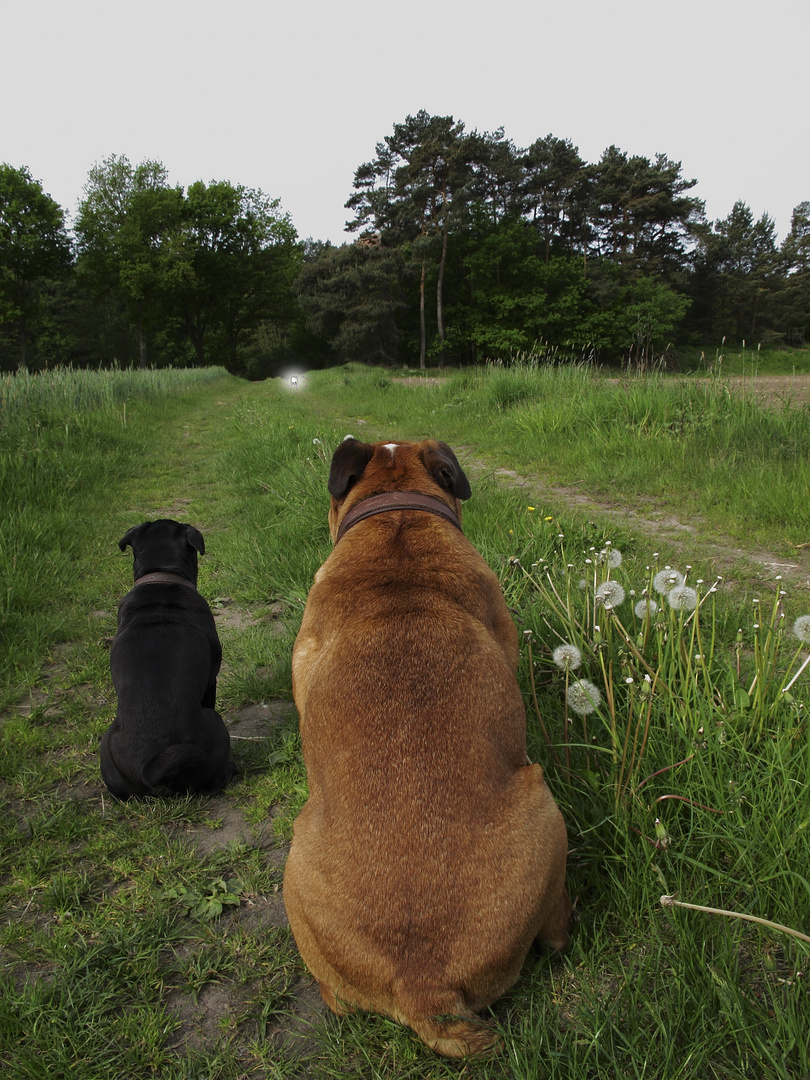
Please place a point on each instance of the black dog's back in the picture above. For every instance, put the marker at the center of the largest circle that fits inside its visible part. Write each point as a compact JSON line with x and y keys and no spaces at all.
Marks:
{"x":167,"y":737}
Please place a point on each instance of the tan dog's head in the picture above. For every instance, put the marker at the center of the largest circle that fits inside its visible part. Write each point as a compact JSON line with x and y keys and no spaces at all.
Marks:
{"x":360,"y":470}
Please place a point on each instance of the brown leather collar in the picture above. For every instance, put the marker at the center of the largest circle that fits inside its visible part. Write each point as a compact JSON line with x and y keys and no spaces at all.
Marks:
{"x":397,"y":500}
{"x":161,"y":578}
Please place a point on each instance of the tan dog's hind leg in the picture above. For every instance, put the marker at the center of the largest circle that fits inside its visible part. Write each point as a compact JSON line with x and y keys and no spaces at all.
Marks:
{"x":338,"y":1007}
{"x":456,"y":1032}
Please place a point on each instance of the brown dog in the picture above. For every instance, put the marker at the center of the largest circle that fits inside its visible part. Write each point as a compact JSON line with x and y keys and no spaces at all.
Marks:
{"x":429,"y":855}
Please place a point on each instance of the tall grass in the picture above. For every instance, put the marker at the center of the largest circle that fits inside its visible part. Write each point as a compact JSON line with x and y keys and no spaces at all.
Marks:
{"x":706,"y":450}
{"x":27,"y":398}
{"x":65,"y":443}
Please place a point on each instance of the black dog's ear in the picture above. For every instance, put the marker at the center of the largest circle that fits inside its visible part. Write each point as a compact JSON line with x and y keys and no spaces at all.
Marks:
{"x":348,"y":463}
{"x":129,"y":537}
{"x":443,"y":466}
{"x":194,"y":537}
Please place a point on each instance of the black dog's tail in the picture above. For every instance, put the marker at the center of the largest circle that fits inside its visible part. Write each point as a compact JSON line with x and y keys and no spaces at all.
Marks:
{"x":177,"y":769}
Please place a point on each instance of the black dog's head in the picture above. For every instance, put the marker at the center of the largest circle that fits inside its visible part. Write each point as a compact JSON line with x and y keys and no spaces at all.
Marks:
{"x":166,"y":546}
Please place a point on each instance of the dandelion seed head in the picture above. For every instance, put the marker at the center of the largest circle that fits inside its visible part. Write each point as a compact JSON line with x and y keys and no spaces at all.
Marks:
{"x":583,"y":697}
{"x":610,"y":557}
{"x":567,"y":657}
{"x":682,"y":598}
{"x":583,"y":584}
{"x":645,"y":607}
{"x":667,"y":579}
{"x":609,"y":593}
{"x":801,"y":628}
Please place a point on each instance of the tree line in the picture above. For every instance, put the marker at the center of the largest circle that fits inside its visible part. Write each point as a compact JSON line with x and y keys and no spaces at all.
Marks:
{"x":466,"y":247}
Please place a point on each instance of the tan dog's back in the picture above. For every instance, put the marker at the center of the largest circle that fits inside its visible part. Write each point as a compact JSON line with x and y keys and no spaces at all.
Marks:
{"x":429,"y":854}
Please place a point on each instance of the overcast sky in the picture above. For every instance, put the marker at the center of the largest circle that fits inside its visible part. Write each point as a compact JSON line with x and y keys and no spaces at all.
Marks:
{"x":291,"y":97}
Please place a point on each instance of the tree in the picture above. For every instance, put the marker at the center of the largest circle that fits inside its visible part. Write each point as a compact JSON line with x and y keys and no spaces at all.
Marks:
{"x":792,"y":300}
{"x":352,"y":296}
{"x":124,"y":228}
{"x":554,"y":190}
{"x":235,"y":263}
{"x":34,"y":247}
{"x":742,"y":252}
{"x":640,"y":215}
{"x":206,"y":266}
{"x":413,"y":193}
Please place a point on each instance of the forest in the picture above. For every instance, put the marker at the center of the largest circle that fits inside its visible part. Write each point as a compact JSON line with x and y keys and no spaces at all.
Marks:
{"x":461,"y":248}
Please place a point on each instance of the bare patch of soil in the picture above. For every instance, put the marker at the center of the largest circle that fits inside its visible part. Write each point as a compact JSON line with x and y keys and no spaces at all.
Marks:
{"x":777,"y":390}
{"x":259,"y":721}
{"x":232,"y":617}
{"x":421,"y":380}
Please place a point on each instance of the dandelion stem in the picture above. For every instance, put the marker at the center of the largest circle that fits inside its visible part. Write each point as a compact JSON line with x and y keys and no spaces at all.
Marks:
{"x":534,"y":699}
{"x":798,"y":673}
{"x":670,"y":901}
{"x":691,"y":802}
{"x":666,"y":768}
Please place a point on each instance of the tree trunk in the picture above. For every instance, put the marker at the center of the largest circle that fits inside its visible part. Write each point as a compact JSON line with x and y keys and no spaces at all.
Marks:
{"x":439,"y":313}
{"x":422,"y":363}
{"x":23,"y":344}
{"x":141,"y":342}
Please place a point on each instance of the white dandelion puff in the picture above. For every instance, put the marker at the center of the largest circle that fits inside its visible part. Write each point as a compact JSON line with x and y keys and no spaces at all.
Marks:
{"x":610,"y":593}
{"x":667,"y":579}
{"x":583,"y":697}
{"x":610,"y":557}
{"x":801,"y":628}
{"x":682,"y":598}
{"x":567,"y":657}
{"x":645,"y":607}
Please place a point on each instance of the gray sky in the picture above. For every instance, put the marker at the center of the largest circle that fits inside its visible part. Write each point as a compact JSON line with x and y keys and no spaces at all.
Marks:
{"x":291,"y":97}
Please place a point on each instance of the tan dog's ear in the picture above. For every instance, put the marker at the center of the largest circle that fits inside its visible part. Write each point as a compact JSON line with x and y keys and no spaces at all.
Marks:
{"x":348,"y":463}
{"x":443,"y":466}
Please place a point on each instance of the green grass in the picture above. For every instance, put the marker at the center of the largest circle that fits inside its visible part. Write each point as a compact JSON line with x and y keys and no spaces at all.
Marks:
{"x":703,"y":449}
{"x":754,"y":360}
{"x":122,"y":947}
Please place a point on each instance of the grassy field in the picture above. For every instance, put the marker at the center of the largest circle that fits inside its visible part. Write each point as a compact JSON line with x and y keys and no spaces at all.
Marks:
{"x":149,"y":939}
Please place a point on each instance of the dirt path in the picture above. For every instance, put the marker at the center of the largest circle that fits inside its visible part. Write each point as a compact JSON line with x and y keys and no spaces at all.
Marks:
{"x":695,"y":541}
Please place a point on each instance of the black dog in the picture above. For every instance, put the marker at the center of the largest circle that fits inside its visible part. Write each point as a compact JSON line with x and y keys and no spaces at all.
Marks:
{"x":167,"y":737}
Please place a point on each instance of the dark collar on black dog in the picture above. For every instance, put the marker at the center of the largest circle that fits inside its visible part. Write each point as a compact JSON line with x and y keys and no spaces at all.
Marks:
{"x":159,"y":578}
{"x":397,"y":500}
